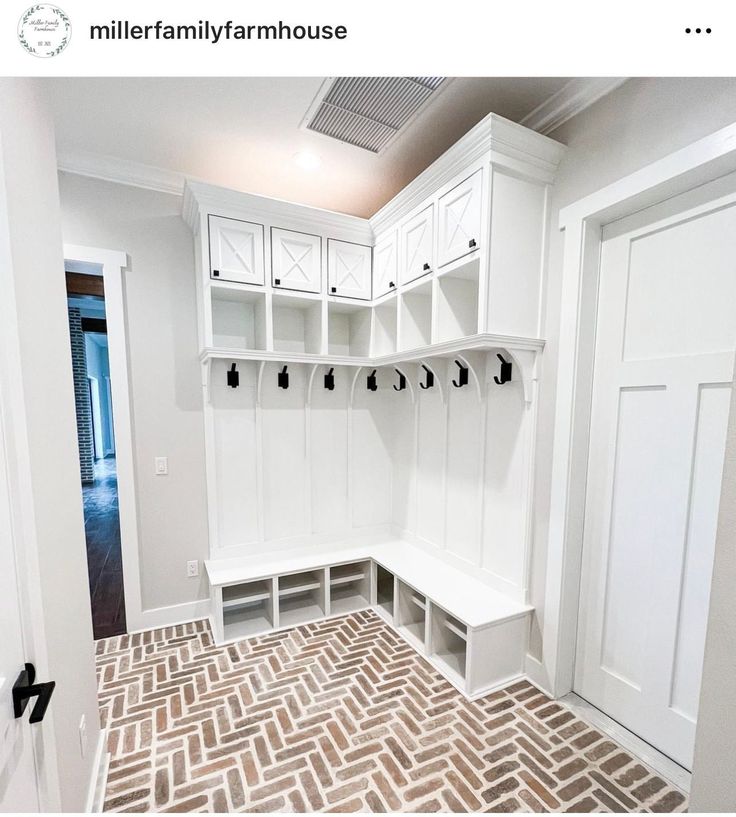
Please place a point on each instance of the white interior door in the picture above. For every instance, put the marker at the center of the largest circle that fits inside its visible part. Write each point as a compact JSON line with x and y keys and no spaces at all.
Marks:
{"x":666,"y":335}
{"x":18,"y":784}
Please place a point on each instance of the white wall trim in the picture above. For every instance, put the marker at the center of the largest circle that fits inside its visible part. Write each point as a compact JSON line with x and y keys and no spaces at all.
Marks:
{"x":113,"y":263}
{"x":98,"y":778}
{"x":122,"y":171}
{"x":173,"y":614}
{"x":694,"y":165}
{"x":575,"y":96}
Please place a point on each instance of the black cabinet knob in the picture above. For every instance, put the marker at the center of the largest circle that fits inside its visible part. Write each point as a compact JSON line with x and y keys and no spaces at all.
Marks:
{"x":471,"y":243}
{"x":426,"y":267}
{"x":215,"y":273}
{"x":277,"y":281}
{"x":333,"y":289}
{"x":391,"y":284}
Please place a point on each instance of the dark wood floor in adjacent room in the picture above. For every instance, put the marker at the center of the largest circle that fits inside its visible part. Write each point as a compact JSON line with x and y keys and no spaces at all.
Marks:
{"x":104,"y":557}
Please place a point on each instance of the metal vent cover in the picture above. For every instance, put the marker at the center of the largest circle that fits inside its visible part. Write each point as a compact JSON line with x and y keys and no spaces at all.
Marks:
{"x":369,"y":111}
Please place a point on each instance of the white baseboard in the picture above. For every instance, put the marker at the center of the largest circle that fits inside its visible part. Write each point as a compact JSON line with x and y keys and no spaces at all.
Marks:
{"x":169,"y":616}
{"x":98,"y":779}
{"x":534,"y":671}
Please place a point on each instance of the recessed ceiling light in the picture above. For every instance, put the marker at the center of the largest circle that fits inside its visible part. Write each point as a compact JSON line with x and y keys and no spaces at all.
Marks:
{"x":307,"y":160}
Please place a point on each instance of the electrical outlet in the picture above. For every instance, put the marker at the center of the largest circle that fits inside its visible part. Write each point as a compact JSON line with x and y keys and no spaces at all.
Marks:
{"x":192,"y":568}
{"x":83,"y":736}
{"x":161,"y":465}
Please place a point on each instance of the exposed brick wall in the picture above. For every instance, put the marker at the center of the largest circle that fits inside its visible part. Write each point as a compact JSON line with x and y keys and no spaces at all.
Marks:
{"x":81,"y":396}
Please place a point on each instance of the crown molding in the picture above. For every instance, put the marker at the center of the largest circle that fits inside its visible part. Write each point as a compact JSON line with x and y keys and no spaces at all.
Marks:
{"x":200,"y":198}
{"x":494,"y":139}
{"x":122,"y":171}
{"x":575,"y":96}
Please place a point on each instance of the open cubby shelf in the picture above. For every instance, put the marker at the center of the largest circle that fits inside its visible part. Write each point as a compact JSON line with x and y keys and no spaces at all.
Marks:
{"x":350,"y":587}
{"x":412,"y":613}
{"x":348,"y":329}
{"x":457,"y":302}
{"x":449,"y":643}
{"x":239,"y":318}
{"x":383,"y":336}
{"x":247,"y":609}
{"x":297,"y":324}
{"x":385,"y":592}
{"x":416,"y":317}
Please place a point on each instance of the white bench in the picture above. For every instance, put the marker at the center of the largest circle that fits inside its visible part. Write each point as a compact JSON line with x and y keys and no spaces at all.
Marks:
{"x":475,"y":636}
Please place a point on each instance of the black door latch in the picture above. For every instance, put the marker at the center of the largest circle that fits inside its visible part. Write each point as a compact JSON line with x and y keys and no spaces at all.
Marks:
{"x":24,"y":688}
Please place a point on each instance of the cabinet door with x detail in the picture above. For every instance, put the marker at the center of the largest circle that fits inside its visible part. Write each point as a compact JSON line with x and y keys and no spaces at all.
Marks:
{"x":460,"y":219}
{"x":296,"y":260}
{"x":349,"y":269}
{"x":236,"y":251}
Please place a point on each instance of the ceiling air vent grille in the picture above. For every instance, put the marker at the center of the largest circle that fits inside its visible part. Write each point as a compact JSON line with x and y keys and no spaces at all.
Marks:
{"x":369,"y":111}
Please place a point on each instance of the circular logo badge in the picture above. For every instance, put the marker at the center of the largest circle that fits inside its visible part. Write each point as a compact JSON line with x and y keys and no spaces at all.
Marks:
{"x":44,"y":30}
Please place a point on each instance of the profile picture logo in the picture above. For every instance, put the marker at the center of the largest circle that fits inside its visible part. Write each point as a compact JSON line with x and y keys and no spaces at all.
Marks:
{"x":44,"y":30}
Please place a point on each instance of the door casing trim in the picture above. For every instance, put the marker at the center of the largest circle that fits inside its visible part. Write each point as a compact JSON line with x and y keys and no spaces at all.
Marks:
{"x":113,"y":263}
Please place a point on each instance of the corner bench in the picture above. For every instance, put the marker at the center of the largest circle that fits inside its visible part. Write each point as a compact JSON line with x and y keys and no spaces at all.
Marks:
{"x":473,"y":635}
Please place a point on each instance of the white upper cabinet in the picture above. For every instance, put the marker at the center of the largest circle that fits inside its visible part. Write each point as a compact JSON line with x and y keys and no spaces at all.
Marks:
{"x":385,"y":264}
{"x":296,"y":260}
{"x":417,"y":240}
{"x":349,"y":269}
{"x":459,"y":217}
{"x":236,"y":251}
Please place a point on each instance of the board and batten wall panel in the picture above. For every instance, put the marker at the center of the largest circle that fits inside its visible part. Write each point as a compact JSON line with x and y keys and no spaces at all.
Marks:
{"x":371,"y":442}
{"x":430,"y":466}
{"x":329,"y":445}
{"x":463,"y":474}
{"x":506,"y":485}
{"x":284,"y":453}
{"x":236,"y":447}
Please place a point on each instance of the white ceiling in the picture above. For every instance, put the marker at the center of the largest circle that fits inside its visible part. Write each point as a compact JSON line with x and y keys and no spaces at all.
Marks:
{"x":243,"y":133}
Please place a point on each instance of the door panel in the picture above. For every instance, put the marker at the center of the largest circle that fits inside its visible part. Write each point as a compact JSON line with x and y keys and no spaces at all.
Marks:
{"x":663,"y":364}
{"x":236,"y":251}
{"x":18,"y":786}
{"x":417,"y":245}
{"x":349,"y":269}
{"x":296,"y":260}
{"x":459,"y":219}
{"x":385,"y":265}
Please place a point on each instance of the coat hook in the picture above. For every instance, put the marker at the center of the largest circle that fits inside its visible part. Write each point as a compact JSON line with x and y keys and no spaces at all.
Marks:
{"x":505,"y":371}
{"x":462,"y":376}
{"x":330,"y":380}
{"x":283,"y":379}
{"x":402,"y":381}
{"x":371,"y":381}
{"x":429,"y":378}
{"x":233,"y":378}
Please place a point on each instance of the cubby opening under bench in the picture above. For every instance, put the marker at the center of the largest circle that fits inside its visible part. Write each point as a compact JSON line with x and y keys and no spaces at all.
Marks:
{"x":475,"y":636}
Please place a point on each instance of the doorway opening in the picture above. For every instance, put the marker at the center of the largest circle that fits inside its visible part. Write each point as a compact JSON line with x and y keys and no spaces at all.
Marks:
{"x":96,"y":438}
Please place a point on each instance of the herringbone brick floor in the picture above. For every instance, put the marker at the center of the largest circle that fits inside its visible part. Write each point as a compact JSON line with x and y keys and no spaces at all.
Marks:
{"x":342,"y":715}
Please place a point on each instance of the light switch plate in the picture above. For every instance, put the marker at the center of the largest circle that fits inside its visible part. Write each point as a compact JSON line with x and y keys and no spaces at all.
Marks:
{"x":161,"y":465}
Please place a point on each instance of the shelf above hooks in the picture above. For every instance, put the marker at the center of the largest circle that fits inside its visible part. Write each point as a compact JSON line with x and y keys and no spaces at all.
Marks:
{"x":521,"y":351}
